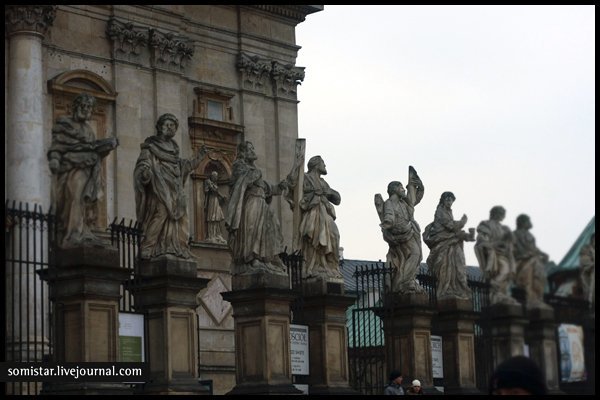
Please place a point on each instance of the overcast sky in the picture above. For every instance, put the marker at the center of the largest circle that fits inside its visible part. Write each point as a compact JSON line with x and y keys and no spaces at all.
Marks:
{"x":493,"y":103}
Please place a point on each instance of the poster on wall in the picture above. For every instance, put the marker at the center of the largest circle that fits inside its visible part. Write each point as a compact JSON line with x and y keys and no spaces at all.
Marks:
{"x":572,"y":357}
{"x":299,"y":349}
{"x":131,"y":337}
{"x":437,"y":359}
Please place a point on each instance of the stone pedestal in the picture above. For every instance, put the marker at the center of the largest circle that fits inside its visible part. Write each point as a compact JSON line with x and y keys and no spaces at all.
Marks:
{"x":165,"y":291}
{"x":85,"y":287}
{"x":455,"y":324}
{"x":261,"y":312}
{"x":325,"y":314}
{"x":407,"y":326}
{"x":541,"y":337}
{"x":507,"y":324}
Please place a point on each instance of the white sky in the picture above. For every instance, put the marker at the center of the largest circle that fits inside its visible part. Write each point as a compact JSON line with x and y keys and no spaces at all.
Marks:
{"x":493,"y":103}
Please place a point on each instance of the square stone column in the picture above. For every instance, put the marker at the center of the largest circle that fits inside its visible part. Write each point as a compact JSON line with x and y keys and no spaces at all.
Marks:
{"x":540,"y":334}
{"x":507,"y":324}
{"x":85,"y":287}
{"x":261,"y":312}
{"x":324,"y":312}
{"x":407,"y":326}
{"x":455,"y":323}
{"x":165,"y":290}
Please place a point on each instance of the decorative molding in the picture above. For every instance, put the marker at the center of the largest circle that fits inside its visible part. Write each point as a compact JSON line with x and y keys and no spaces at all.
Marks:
{"x":170,"y":49}
{"x":296,"y":13}
{"x":127,"y":37}
{"x":255,"y":71}
{"x":29,"y":19}
{"x":286,"y":78}
{"x":145,"y":45}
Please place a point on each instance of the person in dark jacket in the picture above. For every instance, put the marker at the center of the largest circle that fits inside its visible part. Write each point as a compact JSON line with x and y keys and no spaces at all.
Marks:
{"x":518,"y":375}
{"x":395,"y":385}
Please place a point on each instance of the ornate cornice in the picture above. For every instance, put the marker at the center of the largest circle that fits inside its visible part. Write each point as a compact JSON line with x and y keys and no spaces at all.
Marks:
{"x":255,"y":71}
{"x":35,"y":19}
{"x":286,"y":78}
{"x":128,"y":38}
{"x":171,"y":49}
{"x":297,"y":13}
{"x":160,"y":49}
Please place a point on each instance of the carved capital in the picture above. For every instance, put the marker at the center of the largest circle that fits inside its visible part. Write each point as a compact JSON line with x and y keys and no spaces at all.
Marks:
{"x":29,"y":19}
{"x":127,"y":37}
{"x":286,"y":78}
{"x":170,"y":49}
{"x":255,"y":71}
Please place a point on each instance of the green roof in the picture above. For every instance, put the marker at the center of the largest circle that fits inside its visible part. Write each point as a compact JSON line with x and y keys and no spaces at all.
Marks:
{"x":571,"y":259}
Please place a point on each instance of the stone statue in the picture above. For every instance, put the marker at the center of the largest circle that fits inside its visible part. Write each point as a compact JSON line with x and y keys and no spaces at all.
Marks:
{"x":494,"y":251}
{"x":75,"y":158}
{"x":587,"y":262}
{"x":445,"y":237}
{"x":255,"y":238}
{"x":161,"y":206}
{"x":318,"y":231}
{"x":530,"y":262}
{"x":214,"y":213}
{"x":402,"y":232}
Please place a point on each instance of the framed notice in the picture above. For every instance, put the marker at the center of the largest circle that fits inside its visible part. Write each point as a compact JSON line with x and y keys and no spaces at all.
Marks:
{"x":299,"y":349}
{"x":131,"y":337}
{"x":437,"y":359}
{"x":572,"y":354}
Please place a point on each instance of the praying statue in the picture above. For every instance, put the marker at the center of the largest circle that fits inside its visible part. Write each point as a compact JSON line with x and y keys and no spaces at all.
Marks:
{"x":75,"y":158}
{"x":402,"y":232}
{"x":494,"y":251}
{"x":160,"y":199}
{"x":445,"y":238}
{"x":530,"y":261}
{"x":318,"y":231}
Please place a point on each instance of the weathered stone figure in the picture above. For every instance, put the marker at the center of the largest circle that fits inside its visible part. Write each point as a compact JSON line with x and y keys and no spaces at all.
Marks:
{"x":494,"y":251}
{"x":214,"y":212}
{"x":318,"y":231}
{"x":255,"y":237}
{"x":530,"y":261}
{"x":159,"y":178}
{"x":445,"y":237}
{"x":75,"y":157}
{"x":587,"y":262}
{"x":402,"y":232}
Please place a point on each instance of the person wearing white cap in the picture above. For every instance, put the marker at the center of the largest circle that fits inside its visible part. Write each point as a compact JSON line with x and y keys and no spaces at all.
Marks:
{"x":415,"y":388}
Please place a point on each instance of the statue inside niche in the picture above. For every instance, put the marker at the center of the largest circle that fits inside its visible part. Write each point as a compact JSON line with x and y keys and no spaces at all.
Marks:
{"x":213,"y":201}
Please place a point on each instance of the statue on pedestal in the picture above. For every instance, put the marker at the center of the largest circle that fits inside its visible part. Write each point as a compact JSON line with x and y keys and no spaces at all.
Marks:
{"x":445,"y":238}
{"x":494,"y":251}
{"x":587,"y":262}
{"x":402,"y":232}
{"x":75,"y":158}
{"x":318,"y":231}
{"x":161,"y":202}
{"x":530,"y":261}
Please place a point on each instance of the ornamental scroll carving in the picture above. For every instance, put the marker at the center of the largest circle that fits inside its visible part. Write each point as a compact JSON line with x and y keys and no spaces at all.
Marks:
{"x":257,"y":71}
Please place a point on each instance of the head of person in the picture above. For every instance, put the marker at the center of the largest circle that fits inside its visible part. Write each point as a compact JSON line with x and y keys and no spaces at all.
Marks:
{"x":497,"y":213}
{"x":523,"y":222}
{"x":317,"y":163}
{"x":518,"y":375}
{"x":246,"y":151}
{"x":447,"y":198}
{"x":83,"y":106}
{"x":416,"y":384}
{"x":395,"y":187}
{"x":167,"y":125}
{"x":214,"y":176}
{"x":396,"y":377}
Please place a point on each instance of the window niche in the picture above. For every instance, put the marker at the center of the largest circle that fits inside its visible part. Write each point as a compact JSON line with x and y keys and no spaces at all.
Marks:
{"x":212,"y":125}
